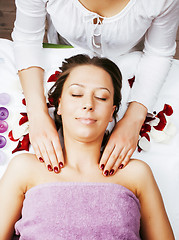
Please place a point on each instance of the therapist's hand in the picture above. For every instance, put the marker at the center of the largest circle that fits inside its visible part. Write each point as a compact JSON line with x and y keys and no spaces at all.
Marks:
{"x":123,"y":140}
{"x":45,"y":141}
{"x":42,"y":131}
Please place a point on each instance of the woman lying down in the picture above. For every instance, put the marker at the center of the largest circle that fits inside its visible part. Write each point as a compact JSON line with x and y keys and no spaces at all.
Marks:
{"x":79,"y":202}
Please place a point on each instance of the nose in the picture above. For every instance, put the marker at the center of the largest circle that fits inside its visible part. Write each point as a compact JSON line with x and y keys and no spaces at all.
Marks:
{"x":88,"y":104}
{"x":87,"y":108}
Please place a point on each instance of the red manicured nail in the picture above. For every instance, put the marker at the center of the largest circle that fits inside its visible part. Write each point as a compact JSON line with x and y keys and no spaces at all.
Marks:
{"x":111,"y":172}
{"x":41,"y":159}
{"x":60,"y":164}
{"x":49,"y":167}
{"x":106,"y":173}
{"x":102,"y":166}
{"x":121,"y":166}
{"x":56,"y":169}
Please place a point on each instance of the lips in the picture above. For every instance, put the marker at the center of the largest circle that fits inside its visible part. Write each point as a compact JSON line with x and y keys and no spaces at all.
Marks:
{"x":86,"y":121}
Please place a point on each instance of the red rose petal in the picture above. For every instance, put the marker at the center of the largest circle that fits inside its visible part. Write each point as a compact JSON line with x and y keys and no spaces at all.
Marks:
{"x":23,"y":101}
{"x":139,"y":149}
{"x":145,"y":128}
{"x":148,"y":119}
{"x":23,"y":145}
{"x":10,"y":136}
{"x":146,"y":135}
{"x":24,"y":119}
{"x":161,"y":125}
{"x":24,"y":114}
{"x":131,"y":81}
{"x":168,"y":110}
{"x":51,"y":101}
{"x":54,"y":77}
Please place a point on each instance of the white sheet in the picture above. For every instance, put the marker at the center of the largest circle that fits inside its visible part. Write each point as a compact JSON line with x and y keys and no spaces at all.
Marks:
{"x":162,"y":158}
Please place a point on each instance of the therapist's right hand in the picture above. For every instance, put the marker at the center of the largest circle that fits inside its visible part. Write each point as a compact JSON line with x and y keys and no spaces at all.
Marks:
{"x":45,"y":141}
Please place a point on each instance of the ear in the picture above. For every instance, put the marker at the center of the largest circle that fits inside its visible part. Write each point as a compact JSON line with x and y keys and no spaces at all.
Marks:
{"x":111,"y":119}
{"x":59,"y":107}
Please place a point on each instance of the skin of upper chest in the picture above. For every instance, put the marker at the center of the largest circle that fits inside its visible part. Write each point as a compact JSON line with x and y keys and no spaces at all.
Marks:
{"x":105,"y":8}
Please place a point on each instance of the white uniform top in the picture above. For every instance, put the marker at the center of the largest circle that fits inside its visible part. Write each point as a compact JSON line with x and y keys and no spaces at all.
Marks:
{"x":157,"y":20}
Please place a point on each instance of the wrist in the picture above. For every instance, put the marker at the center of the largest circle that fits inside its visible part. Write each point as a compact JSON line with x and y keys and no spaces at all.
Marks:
{"x":36,"y":105}
{"x":136,"y":113}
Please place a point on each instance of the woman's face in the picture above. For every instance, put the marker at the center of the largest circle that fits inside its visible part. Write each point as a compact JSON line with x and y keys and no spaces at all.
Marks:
{"x":86,"y":103}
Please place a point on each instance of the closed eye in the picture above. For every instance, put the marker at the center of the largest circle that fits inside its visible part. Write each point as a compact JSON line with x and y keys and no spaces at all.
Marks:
{"x":100,"y":98}
{"x":77,"y":95}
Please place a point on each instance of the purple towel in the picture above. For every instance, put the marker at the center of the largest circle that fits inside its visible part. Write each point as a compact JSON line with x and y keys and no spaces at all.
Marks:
{"x":69,"y":211}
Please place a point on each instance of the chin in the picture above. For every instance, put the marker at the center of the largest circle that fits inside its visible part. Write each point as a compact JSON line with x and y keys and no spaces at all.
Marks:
{"x":89,"y":137}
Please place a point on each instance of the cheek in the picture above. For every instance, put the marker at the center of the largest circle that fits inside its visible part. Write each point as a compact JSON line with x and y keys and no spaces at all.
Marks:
{"x":106,"y":112}
{"x":68,"y":107}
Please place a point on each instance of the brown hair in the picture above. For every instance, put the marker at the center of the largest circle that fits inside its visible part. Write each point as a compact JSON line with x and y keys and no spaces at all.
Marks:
{"x":79,"y":60}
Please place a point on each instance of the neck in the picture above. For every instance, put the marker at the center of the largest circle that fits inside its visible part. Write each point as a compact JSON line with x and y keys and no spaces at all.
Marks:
{"x":81,"y":156}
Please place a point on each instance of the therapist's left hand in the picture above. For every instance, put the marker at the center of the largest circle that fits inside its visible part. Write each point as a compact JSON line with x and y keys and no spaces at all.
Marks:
{"x":123,"y":140}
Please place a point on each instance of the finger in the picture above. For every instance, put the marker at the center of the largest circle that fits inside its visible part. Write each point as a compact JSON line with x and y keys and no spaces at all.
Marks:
{"x":37,"y":152}
{"x":117,"y":165}
{"x":45,"y":156}
{"x":123,"y":154}
{"x":51,"y":155}
{"x":111,"y":161}
{"x":121,"y":161}
{"x":106,"y":154}
{"x":58,"y":151}
{"x":127,"y":157}
{"x":36,"y":149}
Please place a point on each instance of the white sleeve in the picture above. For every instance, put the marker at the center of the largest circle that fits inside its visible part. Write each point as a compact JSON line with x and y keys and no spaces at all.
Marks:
{"x":28,"y":33}
{"x":158,"y":51}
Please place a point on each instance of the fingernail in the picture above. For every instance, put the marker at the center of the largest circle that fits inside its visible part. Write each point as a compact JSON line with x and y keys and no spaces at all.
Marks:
{"x":56,"y":169}
{"x":111,"y":172}
{"x":121,"y":166}
{"x":41,"y":159}
{"x":106,"y":173}
{"x":102,"y":167}
{"x":60,"y":164}
{"x":49,"y":167}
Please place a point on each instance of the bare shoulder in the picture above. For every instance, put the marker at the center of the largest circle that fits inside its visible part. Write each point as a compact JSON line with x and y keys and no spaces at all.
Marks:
{"x":142,"y":176}
{"x":138,"y":169}
{"x":23,"y":156}
{"x":21,"y":167}
{"x":18,"y":174}
{"x":22,"y":162}
{"x":136,"y":176}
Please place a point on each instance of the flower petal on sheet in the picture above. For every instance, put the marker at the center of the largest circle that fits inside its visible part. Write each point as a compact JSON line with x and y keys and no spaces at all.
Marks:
{"x":170,"y":129}
{"x":54,"y":77}
{"x":23,"y":119}
{"x":168,"y":110}
{"x":158,"y":136}
{"x":162,"y":122}
{"x":18,"y":131}
{"x":144,"y":144}
{"x":23,"y":144}
{"x":145,"y":128}
{"x":131,"y":81}
{"x":11,"y":137}
{"x":154,"y":122}
{"x":24,"y":101}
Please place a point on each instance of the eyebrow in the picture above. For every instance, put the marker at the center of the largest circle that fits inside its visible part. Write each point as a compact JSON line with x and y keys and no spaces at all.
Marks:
{"x":80,"y":85}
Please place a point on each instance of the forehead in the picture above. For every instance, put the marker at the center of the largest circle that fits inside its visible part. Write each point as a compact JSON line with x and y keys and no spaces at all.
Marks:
{"x":90,"y":76}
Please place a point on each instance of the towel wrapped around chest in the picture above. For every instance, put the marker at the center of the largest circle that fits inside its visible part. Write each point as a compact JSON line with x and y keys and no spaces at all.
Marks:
{"x":69,"y":211}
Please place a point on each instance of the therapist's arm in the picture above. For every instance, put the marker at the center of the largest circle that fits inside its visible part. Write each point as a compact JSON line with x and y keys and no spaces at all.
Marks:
{"x":28,"y":33}
{"x":43,"y":134}
{"x":150,"y":76}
